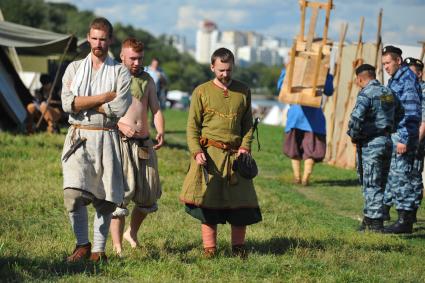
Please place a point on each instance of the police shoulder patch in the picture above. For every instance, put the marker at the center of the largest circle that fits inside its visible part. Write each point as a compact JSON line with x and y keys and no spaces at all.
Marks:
{"x":387,"y":98}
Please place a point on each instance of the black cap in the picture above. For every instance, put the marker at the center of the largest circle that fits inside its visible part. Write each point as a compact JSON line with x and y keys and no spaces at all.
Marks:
{"x":410,"y":61}
{"x":45,"y":79}
{"x":365,"y":67}
{"x":392,"y":49}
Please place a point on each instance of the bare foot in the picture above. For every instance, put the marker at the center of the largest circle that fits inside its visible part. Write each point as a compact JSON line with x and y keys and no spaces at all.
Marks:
{"x":133,"y":241}
{"x":118,"y":250}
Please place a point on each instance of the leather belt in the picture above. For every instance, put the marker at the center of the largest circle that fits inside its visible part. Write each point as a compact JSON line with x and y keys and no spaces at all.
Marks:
{"x":91,"y":128}
{"x":206,"y":142}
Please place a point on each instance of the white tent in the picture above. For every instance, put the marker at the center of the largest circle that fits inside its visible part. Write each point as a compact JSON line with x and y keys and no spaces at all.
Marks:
{"x":14,"y":96}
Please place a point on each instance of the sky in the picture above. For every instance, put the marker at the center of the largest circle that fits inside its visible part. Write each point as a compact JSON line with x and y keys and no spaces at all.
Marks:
{"x":403,"y":20}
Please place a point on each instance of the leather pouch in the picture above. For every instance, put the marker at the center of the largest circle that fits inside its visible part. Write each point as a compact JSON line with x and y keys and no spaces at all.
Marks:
{"x":143,"y":152}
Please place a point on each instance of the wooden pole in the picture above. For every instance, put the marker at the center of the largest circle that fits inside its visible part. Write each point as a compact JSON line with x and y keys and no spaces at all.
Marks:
{"x":422,"y":55}
{"x":322,"y":45}
{"x":328,"y":15}
{"x":55,"y":81}
{"x":423,"y":50}
{"x":303,"y":7}
{"x":312,"y":28}
{"x":341,"y":148}
{"x":291,"y":67}
{"x":337,"y":73}
{"x":378,"y":38}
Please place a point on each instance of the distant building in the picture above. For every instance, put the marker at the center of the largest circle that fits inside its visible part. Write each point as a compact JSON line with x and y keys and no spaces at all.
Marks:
{"x":206,"y":39}
{"x":254,"y":39}
{"x":248,"y":47}
{"x":179,"y":42}
{"x":235,"y":38}
{"x":246,"y":55}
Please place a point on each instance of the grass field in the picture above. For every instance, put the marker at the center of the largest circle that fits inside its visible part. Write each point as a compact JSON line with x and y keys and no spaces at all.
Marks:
{"x":307,"y":234}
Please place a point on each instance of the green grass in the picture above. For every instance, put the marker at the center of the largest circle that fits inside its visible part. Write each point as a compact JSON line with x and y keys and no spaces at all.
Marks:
{"x":307,"y":235}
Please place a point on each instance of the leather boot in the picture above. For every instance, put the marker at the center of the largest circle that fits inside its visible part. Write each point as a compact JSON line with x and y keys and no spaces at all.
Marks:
{"x":98,"y":257}
{"x":240,"y":251}
{"x":386,"y":212}
{"x":80,"y":252}
{"x":372,"y":225}
{"x":296,"y":168}
{"x":210,"y":252}
{"x":414,"y":215}
{"x":404,"y":224}
{"x":308,"y":169}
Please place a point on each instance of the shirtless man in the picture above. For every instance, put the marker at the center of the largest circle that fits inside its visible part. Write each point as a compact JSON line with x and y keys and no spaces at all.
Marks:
{"x":140,"y":165}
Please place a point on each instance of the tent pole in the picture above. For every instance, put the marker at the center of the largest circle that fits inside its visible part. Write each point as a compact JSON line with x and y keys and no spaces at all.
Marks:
{"x":55,"y":80}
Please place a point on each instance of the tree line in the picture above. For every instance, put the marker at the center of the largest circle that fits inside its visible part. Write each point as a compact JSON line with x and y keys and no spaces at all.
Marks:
{"x":183,"y":72}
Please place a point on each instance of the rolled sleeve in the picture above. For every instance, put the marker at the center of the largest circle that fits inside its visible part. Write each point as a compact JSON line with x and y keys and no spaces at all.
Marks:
{"x":67,"y":96}
{"x":118,"y":107}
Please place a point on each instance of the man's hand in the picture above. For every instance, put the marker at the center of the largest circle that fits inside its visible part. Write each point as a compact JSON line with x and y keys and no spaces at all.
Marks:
{"x":201,"y":159}
{"x":100,"y":109}
{"x":160,"y":139}
{"x":109,"y":96}
{"x":242,"y":151}
{"x":127,"y":131}
{"x":401,"y":148}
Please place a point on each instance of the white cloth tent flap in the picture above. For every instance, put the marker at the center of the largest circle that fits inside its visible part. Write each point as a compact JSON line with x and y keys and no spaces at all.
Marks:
{"x":8,"y":98}
{"x":32,"y":40}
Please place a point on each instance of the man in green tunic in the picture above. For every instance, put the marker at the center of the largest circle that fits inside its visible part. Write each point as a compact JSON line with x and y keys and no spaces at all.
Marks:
{"x":219,"y":129}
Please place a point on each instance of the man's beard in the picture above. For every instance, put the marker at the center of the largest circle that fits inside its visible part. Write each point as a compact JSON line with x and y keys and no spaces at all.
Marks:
{"x":99,"y":52}
{"x":225,"y":81}
{"x":134,"y":70}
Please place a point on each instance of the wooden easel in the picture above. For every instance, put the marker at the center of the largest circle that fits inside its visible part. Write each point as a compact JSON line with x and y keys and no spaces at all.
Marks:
{"x":309,"y":63}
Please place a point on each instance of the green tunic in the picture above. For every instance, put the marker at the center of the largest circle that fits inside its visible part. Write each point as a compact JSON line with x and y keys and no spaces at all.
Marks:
{"x":224,"y":119}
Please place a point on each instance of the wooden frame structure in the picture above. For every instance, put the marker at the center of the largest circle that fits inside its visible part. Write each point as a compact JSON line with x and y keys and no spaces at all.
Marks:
{"x":337,"y":73}
{"x":342,"y":144}
{"x":309,"y":61}
{"x":340,"y":151}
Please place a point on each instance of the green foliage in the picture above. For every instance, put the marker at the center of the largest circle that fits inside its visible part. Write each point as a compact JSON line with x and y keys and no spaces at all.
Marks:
{"x":183,"y":71}
{"x":307,"y":234}
{"x":26,"y":12}
{"x":259,"y":77}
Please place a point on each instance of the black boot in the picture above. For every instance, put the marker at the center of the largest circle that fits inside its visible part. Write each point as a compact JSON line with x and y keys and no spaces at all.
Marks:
{"x":372,"y":225}
{"x":414,"y":215}
{"x":386,"y":212}
{"x":404,"y":224}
